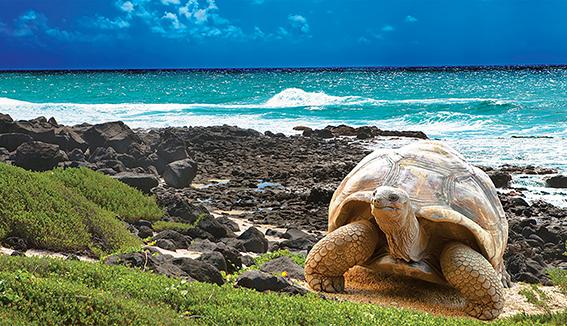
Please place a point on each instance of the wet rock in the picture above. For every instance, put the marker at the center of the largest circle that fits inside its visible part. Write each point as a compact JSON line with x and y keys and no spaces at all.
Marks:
{"x":143,"y":182}
{"x":199,"y":270}
{"x":38,"y":156}
{"x":180,"y":174}
{"x":322,"y":133}
{"x":284,"y":264}
{"x":16,"y":243}
{"x":214,"y":258}
{"x":261,"y":281}
{"x":11,"y":141}
{"x":179,"y":240}
{"x":254,"y":241}
{"x":558,"y":181}
{"x":500,"y":179}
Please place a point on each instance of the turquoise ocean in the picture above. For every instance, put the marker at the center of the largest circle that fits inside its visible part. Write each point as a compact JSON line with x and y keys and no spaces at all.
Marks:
{"x":488,"y":114}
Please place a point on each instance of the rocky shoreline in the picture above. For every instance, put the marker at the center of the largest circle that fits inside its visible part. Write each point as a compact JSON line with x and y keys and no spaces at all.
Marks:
{"x":208,"y":175}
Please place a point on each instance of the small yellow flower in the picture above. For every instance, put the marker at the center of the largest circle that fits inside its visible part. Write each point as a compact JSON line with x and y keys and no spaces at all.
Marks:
{"x":284,"y":274}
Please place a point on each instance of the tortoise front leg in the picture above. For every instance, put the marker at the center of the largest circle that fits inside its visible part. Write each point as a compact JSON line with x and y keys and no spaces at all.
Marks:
{"x":477,"y":281}
{"x":337,"y":252}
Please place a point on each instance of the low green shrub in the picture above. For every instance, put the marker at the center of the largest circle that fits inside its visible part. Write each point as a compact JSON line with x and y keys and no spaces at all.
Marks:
{"x":56,"y":291}
{"x":167,"y":225}
{"x":47,"y":214}
{"x":128,"y":203}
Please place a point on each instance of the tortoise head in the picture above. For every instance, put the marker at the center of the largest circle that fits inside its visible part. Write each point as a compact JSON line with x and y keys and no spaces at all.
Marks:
{"x":390,"y":204}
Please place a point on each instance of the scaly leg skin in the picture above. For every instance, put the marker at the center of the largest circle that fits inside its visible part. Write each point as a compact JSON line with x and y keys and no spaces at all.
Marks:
{"x":477,"y":281}
{"x":337,"y":252}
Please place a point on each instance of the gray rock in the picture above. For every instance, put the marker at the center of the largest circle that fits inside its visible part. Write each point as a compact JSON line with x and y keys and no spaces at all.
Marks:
{"x":166,"y":244}
{"x":38,"y":156}
{"x":11,"y":141}
{"x":261,"y":281}
{"x":199,"y":270}
{"x":558,"y":181}
{"x":284,"y":264}
{"x":254,"y":241}
{"x":214,"y":258}
{"x":179,"y":240}
{"x":180,"y":174}
{"x":141,"y":181}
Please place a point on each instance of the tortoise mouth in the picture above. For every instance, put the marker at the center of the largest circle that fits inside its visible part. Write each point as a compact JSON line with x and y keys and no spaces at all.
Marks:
{"x":387,"y":208}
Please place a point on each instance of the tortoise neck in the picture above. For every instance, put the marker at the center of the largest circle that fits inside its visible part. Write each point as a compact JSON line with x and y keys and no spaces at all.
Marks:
{"x":404,"y":236}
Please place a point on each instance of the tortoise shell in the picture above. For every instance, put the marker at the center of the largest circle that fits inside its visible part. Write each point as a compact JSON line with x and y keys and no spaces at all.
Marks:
{"x":433,"y":174}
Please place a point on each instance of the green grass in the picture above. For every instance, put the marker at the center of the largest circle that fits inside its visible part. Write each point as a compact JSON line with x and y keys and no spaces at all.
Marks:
{"x":128,"y":203}
{"x":41,"y":209}
{"x":167,"y":225}
{"x":536,"y":296}
{"x":264,"y":258}
{"x":55,"y":291}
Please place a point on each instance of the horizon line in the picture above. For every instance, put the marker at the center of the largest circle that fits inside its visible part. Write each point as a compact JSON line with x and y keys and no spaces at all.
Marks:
{"x":291,"y":68}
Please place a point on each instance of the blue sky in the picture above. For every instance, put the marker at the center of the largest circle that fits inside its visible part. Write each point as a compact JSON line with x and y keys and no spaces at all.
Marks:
{"x":38,"y":34}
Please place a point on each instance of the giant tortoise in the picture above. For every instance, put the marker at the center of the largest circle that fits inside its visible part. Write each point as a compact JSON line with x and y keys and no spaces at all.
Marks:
{"x":420,"y":211}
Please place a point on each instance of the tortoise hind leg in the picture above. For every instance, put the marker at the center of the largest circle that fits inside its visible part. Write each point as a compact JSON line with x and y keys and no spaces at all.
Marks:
{"x":474,"y":277}
{"x":337,"y":252}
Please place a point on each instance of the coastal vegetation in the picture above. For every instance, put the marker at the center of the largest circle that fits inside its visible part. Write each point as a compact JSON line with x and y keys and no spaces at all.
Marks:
{"x":59,"y":291}
{"x":70,"y":210}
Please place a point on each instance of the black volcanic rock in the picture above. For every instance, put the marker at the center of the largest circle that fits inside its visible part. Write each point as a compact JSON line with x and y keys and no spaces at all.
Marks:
{"x":38,"y":156}
{"x":557,"y":181}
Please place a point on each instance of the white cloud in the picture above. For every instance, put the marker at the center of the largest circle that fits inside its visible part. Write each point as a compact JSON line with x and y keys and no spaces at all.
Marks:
{"x":201,"y":16}
{"x":171,"y":19}
{"x":126,"y":6}
{"x":170,"y":2}
{"x":388,"y":28}
{"x":299,"y":22}
{"x":109,"y":24}
{"x":410,"y":19}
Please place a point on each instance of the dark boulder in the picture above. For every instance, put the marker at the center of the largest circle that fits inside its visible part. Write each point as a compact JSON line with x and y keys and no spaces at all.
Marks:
{"x":232,"y":257}
{"x":199,"y":270}
{"x":500,"y":179}
{"x":166,"y":244}
{"x":111,"y":134}
{"x":214,"y":258}
{"x":261,"y":281}
{"x":38,"y":156}
{"x":179,"y":240}
{"x":11,"y":141}
{"x":180,"y":174}
{"x":558,"y":181}
{"x":76,"y":155}
{"x":5,"y":118}
{"x":171,"y":148}
{"x":103,"y":154}
{"x":209,"y":224}
{"x":253,"y":240}
{"x":284,"y":264}
{"x":142,"y":182}
{"x":145,"y":232}
{"x":227,"y":222}
{"x":179,"y":207}
{"x":15,"y":243}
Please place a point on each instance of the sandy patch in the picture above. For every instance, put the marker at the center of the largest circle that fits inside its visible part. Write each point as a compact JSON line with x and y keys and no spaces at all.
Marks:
{"x":394,"y":291}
